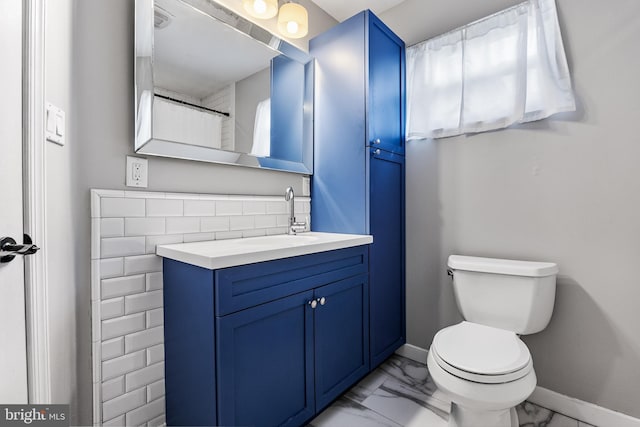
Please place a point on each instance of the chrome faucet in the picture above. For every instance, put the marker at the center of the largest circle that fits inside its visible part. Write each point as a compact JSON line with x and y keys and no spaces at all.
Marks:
{"x":294,"y":226}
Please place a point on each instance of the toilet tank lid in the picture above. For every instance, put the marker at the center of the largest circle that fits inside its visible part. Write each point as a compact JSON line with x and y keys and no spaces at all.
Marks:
{"x":502,"y":266}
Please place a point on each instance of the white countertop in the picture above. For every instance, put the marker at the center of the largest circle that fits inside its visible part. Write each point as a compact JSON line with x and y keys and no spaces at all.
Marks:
{"x":216,"y":254}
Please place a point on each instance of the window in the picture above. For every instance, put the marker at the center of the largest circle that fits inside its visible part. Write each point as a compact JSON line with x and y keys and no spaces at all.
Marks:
{"x":507,"y":68}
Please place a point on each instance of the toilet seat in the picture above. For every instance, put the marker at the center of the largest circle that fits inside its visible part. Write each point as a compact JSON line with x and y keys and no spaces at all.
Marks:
{"x":481,"y":353}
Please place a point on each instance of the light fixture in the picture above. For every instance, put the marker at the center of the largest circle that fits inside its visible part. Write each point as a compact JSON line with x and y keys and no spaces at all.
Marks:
{"x":262,"y":9}
{"x":293,"y":20}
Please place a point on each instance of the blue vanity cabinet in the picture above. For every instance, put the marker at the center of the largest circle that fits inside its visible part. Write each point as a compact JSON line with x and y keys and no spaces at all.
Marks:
{"x":341,"y":337}
{"x":265,"y":364}
{"x":358,"y":184}
{"x":264,"y":344}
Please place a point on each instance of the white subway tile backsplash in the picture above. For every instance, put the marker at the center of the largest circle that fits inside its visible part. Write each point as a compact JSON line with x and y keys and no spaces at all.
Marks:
{"x":112,"y":308}
{"x":275,"y":231}
{"x":183,"y":225}
{"x":122,"y":325}
{"x":111,"y":267}
{"x":155,"y":390}
{"x":154,"y":281}
{"x":228,"y":207}
{"x":142,"y":264}
{"x":167,"y":239}
{"x":277,"y":207}
{"x":123,"y":404}
{"x":95,"y":238}
{"x":241,"y":223}
{"x":112,"y":227}
{"x":112,"y":348}
{"x":165,"y":207}
{"x":254,"y":208}
{"x":127,"y":284}
{"x":144,"y":376}
{"x":113,"y":388}
{"x":143,"y":301}
{"x":116,"y":422}
{"x":155,"y":317}
{"x":122,"y":365}
{"x":122,"y":246}
{"x":282,"y":220}
{"x":121,"y":286}
{"x":155,"y":354}
{"x":222,"y":235}
{"x":199,"y":208}
{"x":254,"y":233}
{"x":266,"y":221}
{"x":160,"y":421}
{"x":143,"y":339}
{"x":216,"y":223}
{"x":144,"y":226}
{"x":145,"y":413}
{"x":198,"y":237}
{"x":111,"y":207}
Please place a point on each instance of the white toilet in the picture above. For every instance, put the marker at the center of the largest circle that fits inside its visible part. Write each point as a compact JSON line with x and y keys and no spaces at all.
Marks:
{"x":481,"y":363}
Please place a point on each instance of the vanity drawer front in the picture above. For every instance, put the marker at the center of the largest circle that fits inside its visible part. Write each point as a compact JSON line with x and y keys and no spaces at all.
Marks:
{"x":245,"y":286}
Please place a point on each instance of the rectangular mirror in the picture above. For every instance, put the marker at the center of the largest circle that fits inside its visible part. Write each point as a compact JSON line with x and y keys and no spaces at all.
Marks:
{"x":212,"y":86}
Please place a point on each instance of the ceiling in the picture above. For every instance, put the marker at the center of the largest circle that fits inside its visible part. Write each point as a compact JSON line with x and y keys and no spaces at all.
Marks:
{"x":343,"y":9}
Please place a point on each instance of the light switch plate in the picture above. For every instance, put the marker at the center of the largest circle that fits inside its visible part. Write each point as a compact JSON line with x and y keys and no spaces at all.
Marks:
{"x":55,"y":128}
{"x":137,"y":172}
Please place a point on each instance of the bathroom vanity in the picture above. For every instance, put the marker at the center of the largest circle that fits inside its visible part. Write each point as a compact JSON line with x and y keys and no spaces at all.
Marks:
{"x":264,"y":330}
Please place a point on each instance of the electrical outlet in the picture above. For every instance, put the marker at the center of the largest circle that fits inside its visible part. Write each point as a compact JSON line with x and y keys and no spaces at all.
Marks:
{"x":137,"y":169}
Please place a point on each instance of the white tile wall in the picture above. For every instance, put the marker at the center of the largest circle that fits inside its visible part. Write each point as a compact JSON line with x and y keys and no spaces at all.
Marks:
{"x":126,"y":288}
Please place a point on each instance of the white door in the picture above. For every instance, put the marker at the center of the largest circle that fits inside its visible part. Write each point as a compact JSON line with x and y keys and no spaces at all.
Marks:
{"x":13,"y":354}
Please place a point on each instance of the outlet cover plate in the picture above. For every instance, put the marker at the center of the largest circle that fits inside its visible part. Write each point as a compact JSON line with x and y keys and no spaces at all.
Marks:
{"x":137,"y":172}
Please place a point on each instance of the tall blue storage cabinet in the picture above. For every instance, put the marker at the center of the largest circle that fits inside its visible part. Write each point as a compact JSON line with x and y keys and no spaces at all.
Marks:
{"x":358,"y":181}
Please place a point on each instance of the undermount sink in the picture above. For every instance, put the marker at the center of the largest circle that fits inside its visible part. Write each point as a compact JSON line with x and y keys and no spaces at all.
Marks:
{"x":216,"y":254}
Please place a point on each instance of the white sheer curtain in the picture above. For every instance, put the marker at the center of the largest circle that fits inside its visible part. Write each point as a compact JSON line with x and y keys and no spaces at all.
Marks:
{"x":507,"y":68}
{"x":261,"y":146}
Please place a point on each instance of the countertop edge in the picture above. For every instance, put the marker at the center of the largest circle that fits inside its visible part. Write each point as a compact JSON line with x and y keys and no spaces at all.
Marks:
{"x":214,"y":263}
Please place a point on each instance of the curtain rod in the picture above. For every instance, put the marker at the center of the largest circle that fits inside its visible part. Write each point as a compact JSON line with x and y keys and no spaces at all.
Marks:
{"x":179,"y":101}
{"x":477,"y":21}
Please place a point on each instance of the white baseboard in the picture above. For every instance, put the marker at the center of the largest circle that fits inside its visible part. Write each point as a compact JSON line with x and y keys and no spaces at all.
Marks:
{"x":581,"y":410}
{"x":560,"y":403}
{"x":415,"y":353}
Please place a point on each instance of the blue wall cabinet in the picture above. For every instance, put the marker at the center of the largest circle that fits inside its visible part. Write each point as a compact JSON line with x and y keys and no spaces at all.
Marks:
{"x":266,"y":344}
{"x":358,"y":182}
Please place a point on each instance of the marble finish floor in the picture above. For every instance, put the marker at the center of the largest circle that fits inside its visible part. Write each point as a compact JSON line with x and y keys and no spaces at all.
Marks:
{"x":401,"y":393}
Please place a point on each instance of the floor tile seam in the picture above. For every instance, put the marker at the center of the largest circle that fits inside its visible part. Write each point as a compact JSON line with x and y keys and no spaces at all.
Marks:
{"x":422,"y":403}
{"x":393,"y":423}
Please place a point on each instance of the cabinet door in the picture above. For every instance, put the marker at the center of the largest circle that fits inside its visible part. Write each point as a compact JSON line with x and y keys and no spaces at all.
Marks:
{"x":386,"y":88}
{"x":341,"y":337}
{"x":265,"y":364}
{"x":386,"y":255}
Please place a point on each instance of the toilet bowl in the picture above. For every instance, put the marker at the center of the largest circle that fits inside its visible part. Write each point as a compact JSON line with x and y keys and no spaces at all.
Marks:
{"x":481,"y":363}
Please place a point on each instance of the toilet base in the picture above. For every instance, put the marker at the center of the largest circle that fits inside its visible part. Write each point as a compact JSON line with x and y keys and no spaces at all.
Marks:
{"x":468,"y":417}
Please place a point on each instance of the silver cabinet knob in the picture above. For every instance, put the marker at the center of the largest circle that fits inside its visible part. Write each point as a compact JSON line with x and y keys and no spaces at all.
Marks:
{"x":323,"y":301}
{"x":376,"y":151}
{"x":377,"y":141}
{"x":313,"y":303}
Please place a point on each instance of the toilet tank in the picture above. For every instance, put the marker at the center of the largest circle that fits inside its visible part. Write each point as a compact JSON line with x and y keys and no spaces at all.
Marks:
{"x":514,"y":295}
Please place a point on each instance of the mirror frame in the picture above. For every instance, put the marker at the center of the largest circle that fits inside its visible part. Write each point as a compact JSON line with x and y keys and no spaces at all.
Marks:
{"x":146,"y":144}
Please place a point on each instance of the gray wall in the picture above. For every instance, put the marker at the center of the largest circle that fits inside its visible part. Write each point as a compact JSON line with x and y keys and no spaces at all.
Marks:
{"x":565,"y":189}
{"x":89,"y":73}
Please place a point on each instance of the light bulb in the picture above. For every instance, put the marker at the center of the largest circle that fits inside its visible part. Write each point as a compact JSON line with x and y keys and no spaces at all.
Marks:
{"x":260,"y":6}
{"x":292,"y":27}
